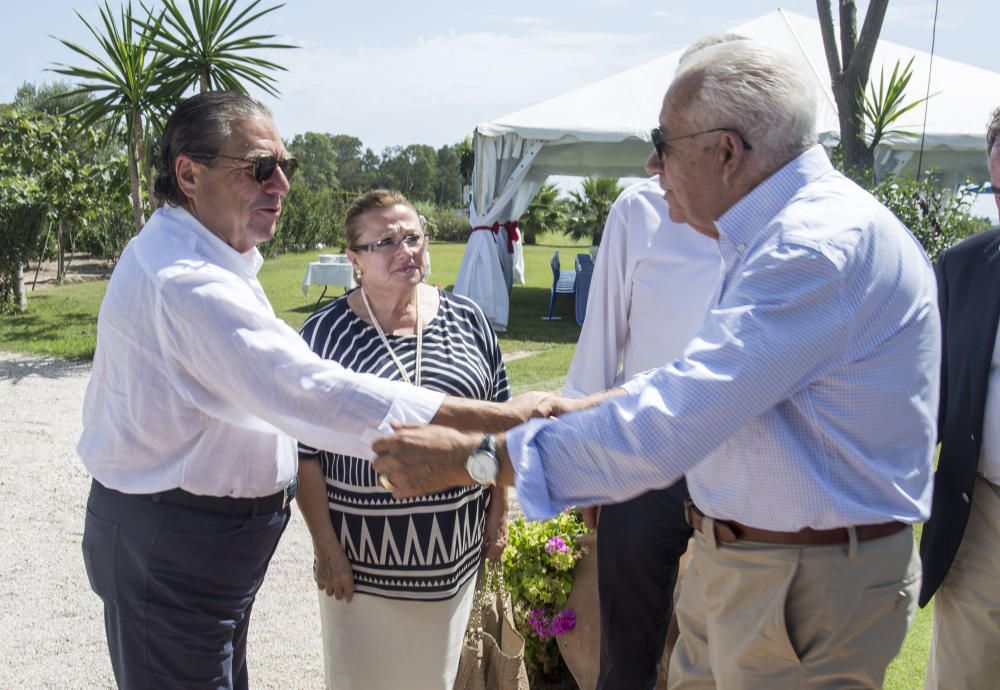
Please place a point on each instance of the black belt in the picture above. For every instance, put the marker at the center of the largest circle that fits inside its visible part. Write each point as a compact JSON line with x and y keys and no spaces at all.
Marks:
{"x":228,"y":505}
{"x":730,"y":531}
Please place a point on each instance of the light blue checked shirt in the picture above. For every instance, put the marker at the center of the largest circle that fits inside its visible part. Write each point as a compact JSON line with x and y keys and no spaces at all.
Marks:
{"x":808,"y":398}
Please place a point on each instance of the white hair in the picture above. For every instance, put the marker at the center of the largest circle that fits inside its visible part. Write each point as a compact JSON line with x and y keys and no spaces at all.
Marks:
{"x":756,"y":90}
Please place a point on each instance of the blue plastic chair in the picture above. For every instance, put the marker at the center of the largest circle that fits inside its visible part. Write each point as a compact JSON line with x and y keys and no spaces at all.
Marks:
{"x":584,"y":272}
{"x":563,"y":283}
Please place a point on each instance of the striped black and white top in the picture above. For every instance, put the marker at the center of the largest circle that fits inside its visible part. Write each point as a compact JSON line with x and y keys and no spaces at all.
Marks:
{"x":421,"y":548}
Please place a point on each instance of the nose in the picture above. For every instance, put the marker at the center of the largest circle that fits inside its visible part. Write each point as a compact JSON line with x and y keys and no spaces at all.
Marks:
{"x":654,"y":166}
{"x":277,"y":183}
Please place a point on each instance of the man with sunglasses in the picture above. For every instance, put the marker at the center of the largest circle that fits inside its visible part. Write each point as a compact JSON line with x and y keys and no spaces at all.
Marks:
{"x":802,"y":413}
{"x":196,"y":396}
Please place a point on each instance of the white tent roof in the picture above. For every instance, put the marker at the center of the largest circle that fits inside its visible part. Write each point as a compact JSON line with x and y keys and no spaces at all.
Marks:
{"x":603,"y":128}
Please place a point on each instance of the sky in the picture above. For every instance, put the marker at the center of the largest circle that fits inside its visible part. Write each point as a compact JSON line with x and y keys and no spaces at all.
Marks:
{"x":392,"y":72}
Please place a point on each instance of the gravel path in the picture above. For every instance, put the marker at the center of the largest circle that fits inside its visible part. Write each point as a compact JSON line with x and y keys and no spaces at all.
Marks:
{"x":51,"y":626}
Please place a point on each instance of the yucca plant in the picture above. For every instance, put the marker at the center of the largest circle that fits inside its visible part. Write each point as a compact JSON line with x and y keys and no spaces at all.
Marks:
{"x":207,"y":51}
{"x":884,"y":106}
{"x":127,"y":85}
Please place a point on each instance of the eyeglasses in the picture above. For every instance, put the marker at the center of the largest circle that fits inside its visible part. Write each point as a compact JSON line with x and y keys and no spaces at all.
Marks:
{"x":264,"y":166}
{"x":390,"y":245}
{"x":660,"y":143}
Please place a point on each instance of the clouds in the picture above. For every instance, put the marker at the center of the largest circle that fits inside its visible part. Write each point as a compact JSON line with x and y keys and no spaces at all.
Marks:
{"x":435,"y":88}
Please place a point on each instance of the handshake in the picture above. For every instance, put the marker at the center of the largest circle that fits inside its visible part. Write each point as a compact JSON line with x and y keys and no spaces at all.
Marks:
{"x":421,"y":459}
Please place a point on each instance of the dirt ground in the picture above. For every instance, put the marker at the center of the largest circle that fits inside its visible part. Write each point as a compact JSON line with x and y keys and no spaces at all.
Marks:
{"x":79,"y":268}
{"x":51,"y":626}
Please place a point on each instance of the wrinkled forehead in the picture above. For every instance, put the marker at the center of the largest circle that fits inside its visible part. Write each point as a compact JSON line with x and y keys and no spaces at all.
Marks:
{"x":678,"y":100}
{"x":255,"y":135}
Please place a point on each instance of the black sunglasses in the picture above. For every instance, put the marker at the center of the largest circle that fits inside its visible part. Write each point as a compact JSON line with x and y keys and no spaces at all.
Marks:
{"x":264,"y":166}
{"x":660,"y":142}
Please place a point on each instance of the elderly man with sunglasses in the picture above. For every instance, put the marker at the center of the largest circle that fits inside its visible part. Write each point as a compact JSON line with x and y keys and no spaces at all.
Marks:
{"x":802,"y":413}
{"x":196,"y":394}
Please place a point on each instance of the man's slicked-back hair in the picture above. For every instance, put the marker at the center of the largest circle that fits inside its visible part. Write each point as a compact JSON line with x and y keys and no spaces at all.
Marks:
{"x":199,"y":128}
{"x":760,"y":92}
{"x":993,"y":132}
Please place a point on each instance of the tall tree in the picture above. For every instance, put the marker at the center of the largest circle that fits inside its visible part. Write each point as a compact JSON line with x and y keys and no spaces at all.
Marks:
{"x":127,"y":86}
{"x":318,"y":159}
{"x":849,"y":68}
{"x":208,"y":51}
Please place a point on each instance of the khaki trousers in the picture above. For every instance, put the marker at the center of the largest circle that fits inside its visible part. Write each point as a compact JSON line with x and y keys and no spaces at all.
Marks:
{"x":965,"y":650}
{"x":772,"y":617}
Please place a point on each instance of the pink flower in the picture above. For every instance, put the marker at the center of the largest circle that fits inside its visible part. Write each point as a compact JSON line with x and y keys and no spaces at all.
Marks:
{"x":556,"y":544}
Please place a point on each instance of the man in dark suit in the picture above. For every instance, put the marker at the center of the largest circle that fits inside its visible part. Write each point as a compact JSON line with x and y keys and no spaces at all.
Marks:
{"x":960,"y":548}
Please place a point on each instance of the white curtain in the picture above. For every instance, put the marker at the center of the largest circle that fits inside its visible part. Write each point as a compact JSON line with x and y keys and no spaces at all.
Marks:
{"x":501,"y":190}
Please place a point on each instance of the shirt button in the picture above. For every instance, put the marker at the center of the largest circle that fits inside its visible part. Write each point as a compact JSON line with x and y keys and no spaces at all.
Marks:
{"x":965,"y":497}
{"x":742,"y":247}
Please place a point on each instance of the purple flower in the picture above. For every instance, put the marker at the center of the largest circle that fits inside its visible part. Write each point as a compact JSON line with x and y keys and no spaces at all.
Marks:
{"x":540,"y":622}
{"x":563,"y":622}
{"x":556,"y":544}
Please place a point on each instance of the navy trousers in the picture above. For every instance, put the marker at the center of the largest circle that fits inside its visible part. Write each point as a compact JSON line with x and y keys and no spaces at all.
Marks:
{"x":639,"y":545}
{"x":178,"y":585}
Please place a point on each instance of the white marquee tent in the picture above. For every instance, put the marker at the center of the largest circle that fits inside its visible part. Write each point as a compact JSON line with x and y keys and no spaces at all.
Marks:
{"x":603,"y":129}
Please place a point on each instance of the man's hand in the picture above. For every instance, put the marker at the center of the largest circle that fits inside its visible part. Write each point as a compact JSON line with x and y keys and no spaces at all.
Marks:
{"x":418,"y":460}
{"x":531,"y":405}
{"x":332,"y":571}
{"x":591,"y":516}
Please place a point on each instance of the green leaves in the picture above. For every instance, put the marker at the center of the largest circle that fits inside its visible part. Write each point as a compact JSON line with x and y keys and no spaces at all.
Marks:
{"x":125,"y":80}
{"x":206,"y":51}
{"x":883,"y":106}
{"x":590,"y":206}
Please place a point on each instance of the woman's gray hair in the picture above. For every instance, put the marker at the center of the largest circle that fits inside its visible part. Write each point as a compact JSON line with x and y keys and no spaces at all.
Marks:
{"x":199,"y":129}
{"x":758,"y":91}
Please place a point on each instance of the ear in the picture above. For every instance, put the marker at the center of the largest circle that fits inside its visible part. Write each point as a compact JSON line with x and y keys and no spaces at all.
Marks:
{"x":187,"y":173}
{"x":731,"y":156}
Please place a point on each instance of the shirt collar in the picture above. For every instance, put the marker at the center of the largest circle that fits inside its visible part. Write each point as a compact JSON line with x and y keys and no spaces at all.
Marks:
{"x":205,"y":242}
{"x":741,"y":224}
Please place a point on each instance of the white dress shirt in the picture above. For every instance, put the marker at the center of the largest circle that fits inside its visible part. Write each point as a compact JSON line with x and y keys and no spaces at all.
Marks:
{"x":652,"y":283}
{"x":807,"y":399}
{"x":989,"y":453}
{"x":197,"y":384}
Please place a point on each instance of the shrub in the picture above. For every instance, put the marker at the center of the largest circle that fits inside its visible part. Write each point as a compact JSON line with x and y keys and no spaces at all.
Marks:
{"x":538,"y":571}
{"x":937,"y":217}
{"x":309,"y":217}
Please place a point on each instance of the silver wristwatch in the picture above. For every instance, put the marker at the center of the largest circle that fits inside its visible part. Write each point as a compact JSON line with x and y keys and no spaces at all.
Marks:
{"x":482,"y":464}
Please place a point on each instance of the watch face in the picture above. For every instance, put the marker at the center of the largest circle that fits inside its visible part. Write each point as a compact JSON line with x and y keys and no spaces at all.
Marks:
{"x":482,"y":466}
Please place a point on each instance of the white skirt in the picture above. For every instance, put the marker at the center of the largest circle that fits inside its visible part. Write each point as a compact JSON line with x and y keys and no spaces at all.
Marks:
{"x":375,"y":643}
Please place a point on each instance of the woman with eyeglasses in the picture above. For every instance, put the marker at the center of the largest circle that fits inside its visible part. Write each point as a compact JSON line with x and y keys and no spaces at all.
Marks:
{"x":397,"y":577}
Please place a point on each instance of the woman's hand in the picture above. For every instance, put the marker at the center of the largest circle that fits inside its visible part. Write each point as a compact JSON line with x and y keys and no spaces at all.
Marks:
{"x":495,"y":537}
{"x":333,"y":571}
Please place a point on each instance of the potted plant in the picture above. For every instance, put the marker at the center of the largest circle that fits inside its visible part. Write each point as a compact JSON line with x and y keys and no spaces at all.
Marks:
{"x":538,"y":571}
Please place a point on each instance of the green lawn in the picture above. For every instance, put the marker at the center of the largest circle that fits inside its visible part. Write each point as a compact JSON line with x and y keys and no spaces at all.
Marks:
{"x":61,"y":321}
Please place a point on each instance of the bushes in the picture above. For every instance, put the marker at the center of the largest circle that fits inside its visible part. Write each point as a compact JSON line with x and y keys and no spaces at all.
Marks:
{"x":20,"y":226}
{"x":937,"y":217}
{"x":309,"y":217}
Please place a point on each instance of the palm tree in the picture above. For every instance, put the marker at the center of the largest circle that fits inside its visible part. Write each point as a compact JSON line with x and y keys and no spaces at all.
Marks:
{"x":546,"y":213}
{"x":590,"y":206}
{"x":206,"y":50}
{"x":127,"y":84}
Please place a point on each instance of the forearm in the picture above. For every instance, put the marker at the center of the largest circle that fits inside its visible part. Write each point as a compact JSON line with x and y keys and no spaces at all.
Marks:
{"x":313,"y":503}
{"x":477,"y":416}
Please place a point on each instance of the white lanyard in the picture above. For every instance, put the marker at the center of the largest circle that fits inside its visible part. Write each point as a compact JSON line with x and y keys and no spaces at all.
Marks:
{"x":388,"y":347}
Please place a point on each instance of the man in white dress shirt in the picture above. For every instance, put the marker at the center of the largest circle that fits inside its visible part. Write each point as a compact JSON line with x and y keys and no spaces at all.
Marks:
{"x":652,"y":283}
{"x":196,"y":396}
